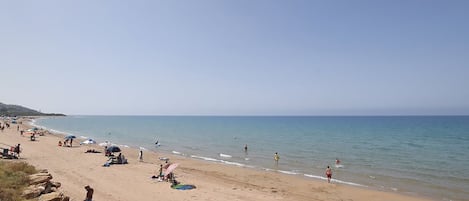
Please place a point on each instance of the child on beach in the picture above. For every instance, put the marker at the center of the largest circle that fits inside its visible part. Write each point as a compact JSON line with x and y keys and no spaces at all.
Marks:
{"x":276,"y":157}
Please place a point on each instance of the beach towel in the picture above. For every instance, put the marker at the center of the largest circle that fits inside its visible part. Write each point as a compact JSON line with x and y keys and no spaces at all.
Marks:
{"x":183,"y":187}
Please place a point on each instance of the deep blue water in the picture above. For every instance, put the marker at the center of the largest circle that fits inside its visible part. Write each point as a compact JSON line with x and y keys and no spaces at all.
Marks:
{"x":422,"y":155}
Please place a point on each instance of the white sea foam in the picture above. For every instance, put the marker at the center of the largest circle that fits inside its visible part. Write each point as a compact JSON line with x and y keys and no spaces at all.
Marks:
{"x":142,"y":148}
{"x":83,"y":137}
{"x":334,"y":180}
{"x":225,"y":155}
{"x":105,"y":143}
{"x":287,"y":172}
{"x":205,"y":158}
{"x":234,"y":163}
{"x":220,"y":161}
{"x":56,"y":131}
{"x":176,"y":152}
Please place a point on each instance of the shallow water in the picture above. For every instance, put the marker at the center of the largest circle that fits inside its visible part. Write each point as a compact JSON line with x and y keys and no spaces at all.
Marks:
{"x":420,"y":155}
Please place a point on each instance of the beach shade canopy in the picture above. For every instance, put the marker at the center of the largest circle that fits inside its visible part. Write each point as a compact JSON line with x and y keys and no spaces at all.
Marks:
{"x":89,"y":141}
{"x":170,"y":168}
{"x":32,"y":129}
{"x":68,"y":137}
{"x":105,"y":144}
{"x":113,"y":149}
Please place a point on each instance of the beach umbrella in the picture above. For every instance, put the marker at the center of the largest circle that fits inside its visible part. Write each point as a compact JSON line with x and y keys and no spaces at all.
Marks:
{"x":68,"y":137}
{"x":170,"y":168}
{"x":166,"y":166}
{"x":89,"y":141}
{"x":113,"y":149}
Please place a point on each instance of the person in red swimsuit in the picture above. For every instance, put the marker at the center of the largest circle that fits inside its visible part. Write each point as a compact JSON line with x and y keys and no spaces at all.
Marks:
{"x":329,"y":174}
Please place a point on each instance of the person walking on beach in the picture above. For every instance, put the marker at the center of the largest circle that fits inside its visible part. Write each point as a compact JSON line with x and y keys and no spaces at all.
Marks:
{"x":276,"y":157}
{"x":160,"y":173}
{"x":329,"y":174}
{"x":71,"y":142}
{"x":17,"y":151}
{"x":89,"y":193}
{"x":140,"y":155}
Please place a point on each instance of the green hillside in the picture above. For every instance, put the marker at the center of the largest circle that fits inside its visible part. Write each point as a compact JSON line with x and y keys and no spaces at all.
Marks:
{"x":17,"y":110}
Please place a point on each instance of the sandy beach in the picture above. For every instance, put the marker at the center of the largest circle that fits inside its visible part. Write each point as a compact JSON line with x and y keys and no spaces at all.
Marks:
{"x":75,"y":169}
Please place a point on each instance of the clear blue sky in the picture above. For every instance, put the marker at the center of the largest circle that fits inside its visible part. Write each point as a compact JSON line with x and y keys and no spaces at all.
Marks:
{"x":248,"y":57}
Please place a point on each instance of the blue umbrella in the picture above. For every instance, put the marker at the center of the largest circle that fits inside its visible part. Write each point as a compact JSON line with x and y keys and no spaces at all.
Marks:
{"x":68,"y":137}
{"x":113,"y":149}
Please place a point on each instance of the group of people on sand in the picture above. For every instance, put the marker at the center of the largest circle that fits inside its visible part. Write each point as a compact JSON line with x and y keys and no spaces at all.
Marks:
{"x":67,"y":143}
{"x":161,"y":176}
{"x":2,"y":126}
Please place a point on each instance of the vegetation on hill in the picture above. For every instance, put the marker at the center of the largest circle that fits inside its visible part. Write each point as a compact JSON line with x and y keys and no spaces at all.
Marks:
{"x":13,"y":179}
{"x":16,"y":110}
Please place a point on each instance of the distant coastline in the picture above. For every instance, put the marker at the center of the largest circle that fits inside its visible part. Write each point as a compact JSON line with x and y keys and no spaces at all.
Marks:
{"x":18,"y":110}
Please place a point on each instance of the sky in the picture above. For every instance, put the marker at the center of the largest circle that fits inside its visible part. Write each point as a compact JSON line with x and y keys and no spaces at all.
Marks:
{"x":236,"y":57}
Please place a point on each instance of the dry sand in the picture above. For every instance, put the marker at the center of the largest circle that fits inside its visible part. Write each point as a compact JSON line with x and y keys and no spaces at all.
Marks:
{"x":131,"y":182}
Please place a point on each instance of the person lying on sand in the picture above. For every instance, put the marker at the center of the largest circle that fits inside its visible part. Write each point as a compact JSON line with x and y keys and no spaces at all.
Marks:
{"x":92,"y":151}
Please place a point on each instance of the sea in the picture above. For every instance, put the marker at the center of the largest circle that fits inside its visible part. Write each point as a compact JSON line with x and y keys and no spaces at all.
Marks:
{"x":416,"y":155}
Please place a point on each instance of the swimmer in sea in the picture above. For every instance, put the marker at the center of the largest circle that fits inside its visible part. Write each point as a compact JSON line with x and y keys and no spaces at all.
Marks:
{"x":337,"y":161}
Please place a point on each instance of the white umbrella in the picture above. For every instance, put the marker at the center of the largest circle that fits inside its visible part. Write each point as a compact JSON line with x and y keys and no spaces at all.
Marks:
{"x":89,"y":141}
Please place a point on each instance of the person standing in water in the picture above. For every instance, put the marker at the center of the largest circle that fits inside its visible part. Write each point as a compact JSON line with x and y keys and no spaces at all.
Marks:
{"x":276,"y":157}
{"x":245,"y":148}
{"x":329,"y":174}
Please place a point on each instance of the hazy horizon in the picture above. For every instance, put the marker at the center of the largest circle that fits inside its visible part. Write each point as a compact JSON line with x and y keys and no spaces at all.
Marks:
{"x":307,"y":58}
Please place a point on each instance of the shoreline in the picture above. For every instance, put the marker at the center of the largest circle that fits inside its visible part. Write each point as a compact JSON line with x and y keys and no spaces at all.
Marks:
{"x":237,"y":183}
{"x":210,"y":160}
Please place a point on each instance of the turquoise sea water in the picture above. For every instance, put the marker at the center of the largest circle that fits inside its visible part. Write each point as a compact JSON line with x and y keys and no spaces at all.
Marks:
{"x":419,"y":155}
